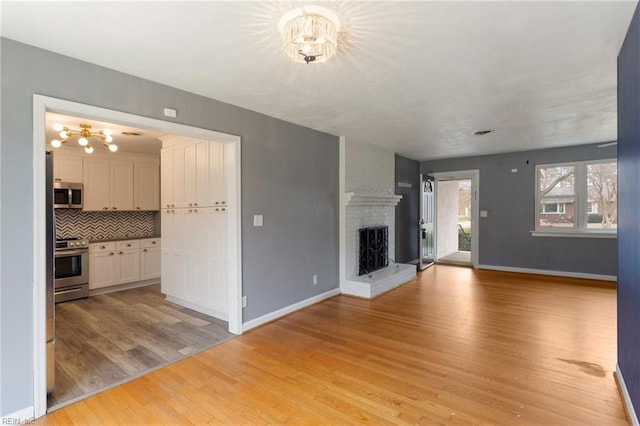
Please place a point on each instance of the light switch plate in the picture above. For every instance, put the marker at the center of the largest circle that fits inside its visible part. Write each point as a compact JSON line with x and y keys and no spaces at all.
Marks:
{"x":483,"y":213}
{"x":257,"y":220}
{"x":170,"y":112}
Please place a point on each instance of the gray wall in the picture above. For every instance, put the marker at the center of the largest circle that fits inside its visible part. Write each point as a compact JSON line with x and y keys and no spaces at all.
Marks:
{"x":628,"y":202}
{"x":509,"y":199}
{"x":408,"y":209}
{"x":289,"y":175}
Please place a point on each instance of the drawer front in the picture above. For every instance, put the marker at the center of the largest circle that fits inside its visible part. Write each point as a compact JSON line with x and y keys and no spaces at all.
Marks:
{"x":150,"y":243}
{"x":101,"y":247}
{"x":128,"y":244}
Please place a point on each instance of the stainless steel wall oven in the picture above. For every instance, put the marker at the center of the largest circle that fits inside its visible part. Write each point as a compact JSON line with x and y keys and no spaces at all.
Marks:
{"x":71,"y":269}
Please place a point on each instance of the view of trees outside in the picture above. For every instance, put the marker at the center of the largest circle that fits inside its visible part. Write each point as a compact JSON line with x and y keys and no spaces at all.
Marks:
{"x":557,"y":195}
{"x":602,"y":188}
{"x":464,"y":215}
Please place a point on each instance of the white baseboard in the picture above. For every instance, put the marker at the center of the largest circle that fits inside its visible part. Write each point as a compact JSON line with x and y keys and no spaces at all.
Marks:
{"x":626,"y":400}
{"x":127,"y":286}
{"x":288,"y":309}
{"x":553,"y":273}
{"x":193,"y":306}
{"x":20,"y":417}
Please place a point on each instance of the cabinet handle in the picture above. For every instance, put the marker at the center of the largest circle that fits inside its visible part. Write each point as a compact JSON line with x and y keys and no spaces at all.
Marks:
{"x":223,"y":202}
{"x":195,"y":211}
{"x":190,"y":204}
{"x":217,"y":203}
{"x":173,"y":211}
{"x":58,"y":180}
{"x":144,"y":249}
{"x":173,"y":206}
{"x":195,"y":204}
{"x":120,"y":252}
{"x":103,"y":247}
{"x":223,"y":209}
{"x":114,"y":208}
{"x":111,"y":254}
{"x":105,"y":208}
{"x":168,"y":206}
{"x":168,"y":211}
{"x":137,"y":208}
{"x":153,"y":242}
{"x":190,"y":210}
{"x":128,"y":245}
{"x":217,"y":210}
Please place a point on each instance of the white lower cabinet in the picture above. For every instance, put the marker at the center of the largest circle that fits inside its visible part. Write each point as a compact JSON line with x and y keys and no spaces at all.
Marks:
{"x":150,"y":259}
{"x":121,"y":262}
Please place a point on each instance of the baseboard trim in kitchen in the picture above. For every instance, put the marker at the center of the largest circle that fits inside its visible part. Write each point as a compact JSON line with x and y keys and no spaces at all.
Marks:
{"x":288,"y":309}
{"x":127,"y":286}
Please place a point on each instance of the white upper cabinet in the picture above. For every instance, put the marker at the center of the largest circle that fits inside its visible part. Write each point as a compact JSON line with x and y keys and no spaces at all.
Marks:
{"x":146,"y":186}
{"x":122,"y":183}
{"x":67,"y":168}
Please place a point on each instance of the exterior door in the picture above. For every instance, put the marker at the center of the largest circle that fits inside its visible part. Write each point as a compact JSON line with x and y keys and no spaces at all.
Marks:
{"x":426,"y":226}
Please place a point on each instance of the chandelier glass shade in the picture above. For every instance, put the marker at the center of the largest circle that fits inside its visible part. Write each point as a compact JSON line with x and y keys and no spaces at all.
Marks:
{"x":84,"y":135}
{"x":309,"y":35}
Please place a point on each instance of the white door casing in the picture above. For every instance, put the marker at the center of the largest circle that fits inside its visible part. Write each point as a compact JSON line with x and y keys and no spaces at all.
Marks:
{"x":232,"y":163}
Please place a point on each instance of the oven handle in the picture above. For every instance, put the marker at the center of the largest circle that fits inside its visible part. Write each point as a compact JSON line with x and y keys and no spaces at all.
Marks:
{"x":69,"y":290}
{"x":66,"y":253}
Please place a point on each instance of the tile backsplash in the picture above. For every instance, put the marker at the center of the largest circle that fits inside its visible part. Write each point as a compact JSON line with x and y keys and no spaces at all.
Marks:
{"x":104,"y":225}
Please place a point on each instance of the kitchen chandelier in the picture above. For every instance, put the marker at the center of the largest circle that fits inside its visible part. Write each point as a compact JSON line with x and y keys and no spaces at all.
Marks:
{"x":309,"y":34}
{"x":84,"y":135}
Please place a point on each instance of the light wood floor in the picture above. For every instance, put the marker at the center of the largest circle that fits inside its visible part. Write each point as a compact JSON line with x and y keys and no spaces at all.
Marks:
{"x":454,"y":346}
{"x":105,"y":339}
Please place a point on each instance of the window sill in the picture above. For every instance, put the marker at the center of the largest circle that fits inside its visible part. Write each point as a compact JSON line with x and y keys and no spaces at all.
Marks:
{"x":574,"y":234}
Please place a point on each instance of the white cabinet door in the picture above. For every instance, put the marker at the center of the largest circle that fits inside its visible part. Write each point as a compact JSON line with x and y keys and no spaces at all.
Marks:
{"x":67,"y":168}
{"x":146,"y":190}
{"x":166,"y":177}
{"x":121,"y":185}
{"x":127,"y":266}
{"x":150,"y":258}
{"x":96,"y":184}
{"x":102,"y":269}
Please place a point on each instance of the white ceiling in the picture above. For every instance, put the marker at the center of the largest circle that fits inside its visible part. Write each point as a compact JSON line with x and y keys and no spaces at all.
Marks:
{"x":414,"y":77}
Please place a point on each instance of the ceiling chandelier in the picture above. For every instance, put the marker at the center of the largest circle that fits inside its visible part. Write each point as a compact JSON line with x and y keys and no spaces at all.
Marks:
{"x":84,"y":137}
{"x":309,"y":34}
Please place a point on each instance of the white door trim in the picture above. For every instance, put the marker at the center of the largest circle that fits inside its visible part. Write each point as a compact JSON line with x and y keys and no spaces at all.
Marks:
{"x":42,"y":104}
{"x":474,"y":175}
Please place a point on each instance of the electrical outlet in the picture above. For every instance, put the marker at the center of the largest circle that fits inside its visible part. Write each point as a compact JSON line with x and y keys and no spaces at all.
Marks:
{"x":244,"y":301}
{"x":315,"y":279}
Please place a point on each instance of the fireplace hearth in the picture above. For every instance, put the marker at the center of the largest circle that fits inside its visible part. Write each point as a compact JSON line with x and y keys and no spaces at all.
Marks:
{"x":373,"y":249}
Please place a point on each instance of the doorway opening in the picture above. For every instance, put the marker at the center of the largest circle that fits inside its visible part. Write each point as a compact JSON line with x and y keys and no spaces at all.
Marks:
{"x":232,"y":244}
{"x":455,"y":227}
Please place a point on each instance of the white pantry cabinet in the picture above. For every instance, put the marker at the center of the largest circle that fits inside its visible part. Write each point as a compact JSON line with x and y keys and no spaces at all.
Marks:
{"x":150,"y":266}
{"x":194,"y":209}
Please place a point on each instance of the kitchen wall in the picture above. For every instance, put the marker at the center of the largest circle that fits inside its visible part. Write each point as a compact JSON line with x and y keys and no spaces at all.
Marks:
{"x":289,"y":175}
{"x":628,"y":223}
{"x":509,"y":199}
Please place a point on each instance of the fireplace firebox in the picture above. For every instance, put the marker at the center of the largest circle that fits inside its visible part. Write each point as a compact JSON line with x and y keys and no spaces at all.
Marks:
{"x":373,"y":249}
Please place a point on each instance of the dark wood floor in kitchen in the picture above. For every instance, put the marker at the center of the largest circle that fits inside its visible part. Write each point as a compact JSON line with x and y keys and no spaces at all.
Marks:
{"x":105,"y":339}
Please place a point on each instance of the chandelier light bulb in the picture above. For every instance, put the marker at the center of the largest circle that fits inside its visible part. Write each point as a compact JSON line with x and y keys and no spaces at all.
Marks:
{"x":108,"y":139}
{"x":83,"y":141}
{"x":106,"y":132}
{"x":58,"y":127}
{"x":56,"y":143}
{"x":64,"y":134}
{"x":88,"y":149}
{"x":113,"y":148}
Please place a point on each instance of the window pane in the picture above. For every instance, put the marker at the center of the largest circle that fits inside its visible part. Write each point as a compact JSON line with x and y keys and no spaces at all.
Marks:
{"x":602,"y":191}
{"x":557,"y":197}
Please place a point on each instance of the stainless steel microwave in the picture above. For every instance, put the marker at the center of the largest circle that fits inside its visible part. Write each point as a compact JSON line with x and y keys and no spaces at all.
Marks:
{"x":67,"y":195}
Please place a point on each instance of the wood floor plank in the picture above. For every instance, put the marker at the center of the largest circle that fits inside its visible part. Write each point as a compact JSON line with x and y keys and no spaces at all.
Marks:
{"x":454,"y":346}
{"x":107,"y":338}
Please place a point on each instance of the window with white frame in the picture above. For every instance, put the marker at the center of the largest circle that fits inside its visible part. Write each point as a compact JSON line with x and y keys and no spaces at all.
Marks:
{"x":577,"y":197}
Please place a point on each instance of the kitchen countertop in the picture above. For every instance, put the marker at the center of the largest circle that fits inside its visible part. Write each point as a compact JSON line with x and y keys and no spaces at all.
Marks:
{"x":106,"y":240}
